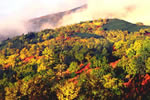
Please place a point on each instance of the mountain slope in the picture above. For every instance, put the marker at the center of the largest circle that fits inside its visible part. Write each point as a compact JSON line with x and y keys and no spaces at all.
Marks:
{"x":80,"y":61}
{"x":51,"y":19}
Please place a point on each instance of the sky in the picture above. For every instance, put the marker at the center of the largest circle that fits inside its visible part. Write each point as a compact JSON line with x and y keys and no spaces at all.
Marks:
{"x":35,"y":8}
{"x":27,"y":9}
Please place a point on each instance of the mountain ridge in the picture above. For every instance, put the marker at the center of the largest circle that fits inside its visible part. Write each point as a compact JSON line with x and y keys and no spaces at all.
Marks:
{"x":51,"y":19}
{"x":111,"y":25}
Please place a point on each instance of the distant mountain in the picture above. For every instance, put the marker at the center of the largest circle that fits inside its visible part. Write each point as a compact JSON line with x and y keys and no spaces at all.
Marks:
{"x":1,"y":37}
{"x":36,"y":24}
{"x":52,"y":20}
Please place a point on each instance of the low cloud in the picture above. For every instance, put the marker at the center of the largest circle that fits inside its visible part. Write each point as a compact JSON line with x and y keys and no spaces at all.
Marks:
{"x":16,"y":23}
{"x":130,"y":10}
{"x":133,"y":11}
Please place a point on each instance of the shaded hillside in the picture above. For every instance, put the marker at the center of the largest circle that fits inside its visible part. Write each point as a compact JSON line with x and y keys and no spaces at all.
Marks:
{"x":52,"y":19}
{"x":117,"y":24}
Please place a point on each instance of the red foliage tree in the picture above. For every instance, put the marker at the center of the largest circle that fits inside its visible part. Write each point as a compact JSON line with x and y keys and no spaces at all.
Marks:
{"x":137,"y":87}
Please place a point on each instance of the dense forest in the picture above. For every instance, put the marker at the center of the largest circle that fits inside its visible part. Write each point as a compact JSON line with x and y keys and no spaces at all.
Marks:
{"x":104,"y":59}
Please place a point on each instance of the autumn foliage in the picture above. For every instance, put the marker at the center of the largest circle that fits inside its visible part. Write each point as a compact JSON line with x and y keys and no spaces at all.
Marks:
{"x":103,"y":59}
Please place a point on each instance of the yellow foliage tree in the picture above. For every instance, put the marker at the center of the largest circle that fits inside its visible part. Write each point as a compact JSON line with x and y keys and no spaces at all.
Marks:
{"x":110,"y":82}
{"x":24,"y":53}
{"x":41,"y":67}
{"x":68,"y":92}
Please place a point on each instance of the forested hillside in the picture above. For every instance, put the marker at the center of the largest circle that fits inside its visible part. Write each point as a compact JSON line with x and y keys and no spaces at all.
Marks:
{"x":104,"y":59}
